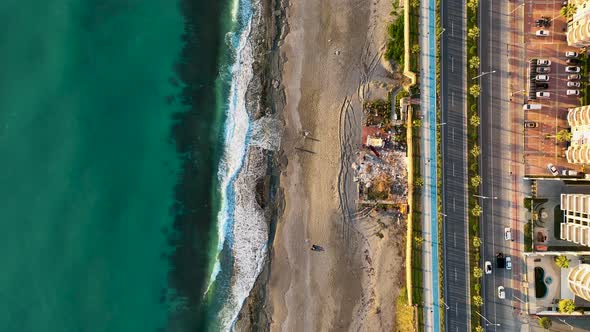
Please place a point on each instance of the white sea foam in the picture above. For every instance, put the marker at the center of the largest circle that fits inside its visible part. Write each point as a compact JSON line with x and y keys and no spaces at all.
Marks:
{"x":241,"y":222}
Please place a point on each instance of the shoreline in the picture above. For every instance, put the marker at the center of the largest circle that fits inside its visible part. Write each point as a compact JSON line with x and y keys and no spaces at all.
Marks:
{"x":324,"y":60}
{"x":265,"y":98}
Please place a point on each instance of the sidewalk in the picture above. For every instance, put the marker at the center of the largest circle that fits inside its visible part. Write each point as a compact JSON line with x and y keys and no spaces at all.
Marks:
{"x":429,"y":165}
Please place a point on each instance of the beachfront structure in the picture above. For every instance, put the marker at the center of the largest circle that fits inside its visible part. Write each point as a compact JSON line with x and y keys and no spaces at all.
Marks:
{"x":578,"y":281}
{"x":575,"y":226}
{"x":579,"y":150}
{"x":578,"y":29}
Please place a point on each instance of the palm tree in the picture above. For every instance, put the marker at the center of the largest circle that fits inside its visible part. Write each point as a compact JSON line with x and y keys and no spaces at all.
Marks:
{"x":568,"y":11}
{"x":566,"y":306}
{"x":562,"y":261}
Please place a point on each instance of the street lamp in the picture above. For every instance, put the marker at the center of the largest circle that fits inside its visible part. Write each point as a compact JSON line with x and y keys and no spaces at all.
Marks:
{"x":488,"y":323}
{"x":522,"y":4}
{"x":566,"y":323}
{"x":484,"y":74}
{"x":441,"y":124}
{"x":485,"y":197}
{"x":515,"y":92}
{"x":516,"y":297}
{"x":446,"y":306}
{"x":441,"y":32}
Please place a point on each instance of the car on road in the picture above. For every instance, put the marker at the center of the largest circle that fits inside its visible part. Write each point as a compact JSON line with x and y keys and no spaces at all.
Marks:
{"x":488,"y":267}
{"x":573,"y":84}
{"x":543,"y":62}
{"x":542,"y":78}
{"x":571,"y":92}
{"x":553,"y":169}
{"x":530,"y":124}
{"x":500,"y":261}
{"x":572,"y":77}
{"x":571,"y":54}
{"x":573,"y":61}
{"x":508,"y":263}
{"x":508,"y":234}
{"x":543,"y":70}
{"x":528,"y":107}
{"x":572,"y":69}
{"x":543,"y":94}
{"x":501,"y":292}
{"x":542,"y":86}
{"x":542,"y":33}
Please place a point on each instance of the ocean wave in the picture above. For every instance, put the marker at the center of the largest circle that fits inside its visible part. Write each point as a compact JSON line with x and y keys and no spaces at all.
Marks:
{"x":241,"y":222}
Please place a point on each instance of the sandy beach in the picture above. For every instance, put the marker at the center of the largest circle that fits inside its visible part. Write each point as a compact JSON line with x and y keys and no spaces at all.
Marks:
{"x":331,"y":63}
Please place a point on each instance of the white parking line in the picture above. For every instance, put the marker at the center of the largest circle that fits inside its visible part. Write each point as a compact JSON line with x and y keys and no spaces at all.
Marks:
{"x":453,"y":204}
{"x":453,"y":102}
{"x":452,"y":64}
{"x":453,"y":169}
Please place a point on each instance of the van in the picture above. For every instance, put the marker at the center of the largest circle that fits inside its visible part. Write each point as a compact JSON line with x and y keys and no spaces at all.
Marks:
{"x":528,"y":107}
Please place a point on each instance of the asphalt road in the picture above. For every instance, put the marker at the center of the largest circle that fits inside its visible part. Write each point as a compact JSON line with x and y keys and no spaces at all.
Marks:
{"x":497,"y":133}
{"x":454,"y":164}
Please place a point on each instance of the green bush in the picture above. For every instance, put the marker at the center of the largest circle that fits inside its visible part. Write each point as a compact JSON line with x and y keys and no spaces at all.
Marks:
{"x":395,"y":41}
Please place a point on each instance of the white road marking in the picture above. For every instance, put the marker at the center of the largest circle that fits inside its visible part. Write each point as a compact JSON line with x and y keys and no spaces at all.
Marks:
{"x":453,"y":169}
{"x":453,"y":204}
{"x":453,"y":100}
{"x":452,"y":64}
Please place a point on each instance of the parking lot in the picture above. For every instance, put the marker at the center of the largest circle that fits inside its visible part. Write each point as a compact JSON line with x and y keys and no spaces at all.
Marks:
{"x":541,"y":146}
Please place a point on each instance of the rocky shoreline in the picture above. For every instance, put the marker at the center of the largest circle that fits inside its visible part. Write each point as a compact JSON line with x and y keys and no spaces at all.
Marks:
{"x":265,"y":98}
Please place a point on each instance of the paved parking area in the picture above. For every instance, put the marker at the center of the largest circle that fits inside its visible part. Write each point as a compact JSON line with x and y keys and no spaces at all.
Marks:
{"x":541,"y":147}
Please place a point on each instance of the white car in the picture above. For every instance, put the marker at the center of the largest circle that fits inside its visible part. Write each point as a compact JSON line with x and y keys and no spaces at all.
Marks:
{"x":574,"y":77}
{"x":508,"y":263}
{"x":543,"y":62}
{"x":553,"y":169}
{"x":528,"y":107}
{"x":572,"y":69}
{"x":542,"y":78}
{"x":488,"y":267}
{"x":501,"y":293}
{"x":507,"y":234}
{"x":572,"y":92}
{"x":573,"y":84}
{"x":571,"y":54}
{"x":542,"y":33}
{"x":543,"y":94}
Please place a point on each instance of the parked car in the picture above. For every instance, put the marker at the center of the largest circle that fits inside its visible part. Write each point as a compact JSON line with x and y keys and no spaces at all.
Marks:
{"x":508,"y":234}
{"x":573,"y":77}
{"x":552,"y":169}
{"x":542,"y":78}
{"x":542,"y":86}
{"x":530,"y":124}
{"x":543,"y":94}
{"x":545,"y":62}
{"x":543,"y":22}
{"x":528,"y":107}
{"x":500,"y":261}
{"x":508,"y":263}
{"x":542,"y":33}
{"x":573,"y":84}
{"x":572,"y":69}
{"x":488,"y":267}
{"x":573,"y":61}
{"x":501,"y":292}
{"x":571,"y":92}
{"x":571,"y":54}
{"x":543,"y":70}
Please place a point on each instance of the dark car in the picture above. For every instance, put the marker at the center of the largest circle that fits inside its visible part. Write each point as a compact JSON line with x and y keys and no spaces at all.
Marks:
{"x":542,"y":86}
{"x":573,"y":61}
{"x":543,"y":22}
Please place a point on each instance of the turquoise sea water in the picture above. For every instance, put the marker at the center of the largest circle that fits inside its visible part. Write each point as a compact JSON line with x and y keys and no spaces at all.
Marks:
{"x":110,"y":139}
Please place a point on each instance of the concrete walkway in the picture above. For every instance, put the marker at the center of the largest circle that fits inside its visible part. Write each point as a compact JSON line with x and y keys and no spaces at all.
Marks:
{"x":429,"y":165}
